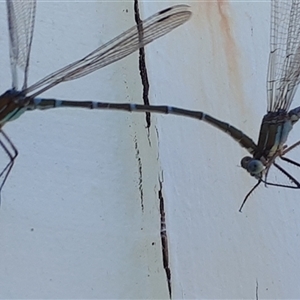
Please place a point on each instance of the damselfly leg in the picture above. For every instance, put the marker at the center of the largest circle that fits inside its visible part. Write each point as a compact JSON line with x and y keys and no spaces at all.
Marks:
{"x":281,"y":155}
{"x":263,"y":176}
{"x":249,"y":193}
{"x":12,"y":153}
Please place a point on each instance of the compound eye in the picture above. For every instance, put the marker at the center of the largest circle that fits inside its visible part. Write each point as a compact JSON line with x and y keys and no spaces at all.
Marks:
{"x":245,"y":162}
{"x":253,"y":166}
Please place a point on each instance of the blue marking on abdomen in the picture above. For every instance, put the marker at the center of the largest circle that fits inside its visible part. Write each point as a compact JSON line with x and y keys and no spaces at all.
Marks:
{"x":57,"y":103}
{"x":37,"y":101}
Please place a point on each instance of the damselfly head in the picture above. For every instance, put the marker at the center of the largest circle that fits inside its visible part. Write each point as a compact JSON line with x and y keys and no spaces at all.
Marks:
{"x":252,"y":165}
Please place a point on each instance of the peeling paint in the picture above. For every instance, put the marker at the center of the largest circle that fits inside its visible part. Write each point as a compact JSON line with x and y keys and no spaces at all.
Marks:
{"x":140,"y":168}
{"x":164,"y":239}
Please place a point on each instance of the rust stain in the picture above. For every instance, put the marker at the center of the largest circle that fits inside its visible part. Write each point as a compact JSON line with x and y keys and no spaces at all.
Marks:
{"x":217,"y":14}
{"x":231,"y":50}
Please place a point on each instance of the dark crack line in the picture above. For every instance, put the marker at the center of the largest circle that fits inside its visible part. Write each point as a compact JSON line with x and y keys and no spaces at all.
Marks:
{"x":140,"y":167}
{"x":142,"y":63}
{"x":146,"y":87}
{"x":164,"y":239}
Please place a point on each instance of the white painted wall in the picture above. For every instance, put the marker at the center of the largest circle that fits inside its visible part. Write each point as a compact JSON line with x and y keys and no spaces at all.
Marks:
{"x":71,"y":221}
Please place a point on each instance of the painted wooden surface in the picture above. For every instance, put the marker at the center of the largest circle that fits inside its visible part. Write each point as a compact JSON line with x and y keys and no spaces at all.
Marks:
{"x":80,"y":213}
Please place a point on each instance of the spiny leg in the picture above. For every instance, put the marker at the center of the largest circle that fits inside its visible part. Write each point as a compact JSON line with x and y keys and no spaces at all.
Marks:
{"x":290,"y":161}
{"x":269,"y":164}
{"x":11,"y":153}
{"x":285,"y":151}
{"x":271,"y":161}
{"x":288,"y":149}
{"x":291,"y":178}
{"x":281,"y":156}
{"x":288,"y":175}
{"x":267,"y":169}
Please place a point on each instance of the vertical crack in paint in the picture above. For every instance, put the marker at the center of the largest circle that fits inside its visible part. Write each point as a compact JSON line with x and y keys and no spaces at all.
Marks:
{"x":256,"y":290}
{"x":164,"y":238}
{"x":146,"y":87}
{"x":140,"y":167}
{"x":142,"y":62}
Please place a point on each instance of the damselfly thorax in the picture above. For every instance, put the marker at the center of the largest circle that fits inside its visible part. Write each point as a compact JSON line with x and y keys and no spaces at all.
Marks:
{"x":273,"y":134}
{"x":12,"y":105}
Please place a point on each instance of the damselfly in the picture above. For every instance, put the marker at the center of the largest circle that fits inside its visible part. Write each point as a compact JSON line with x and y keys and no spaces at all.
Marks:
{"x":282,"y":82}
{"x":14,"y":102}
{"x":283,"y":79}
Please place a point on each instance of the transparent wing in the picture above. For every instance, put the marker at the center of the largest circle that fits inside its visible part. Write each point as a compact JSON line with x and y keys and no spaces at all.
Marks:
{"x":284,"y":60}
{"x":154,"y":27}
{"x":20,"y":15}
